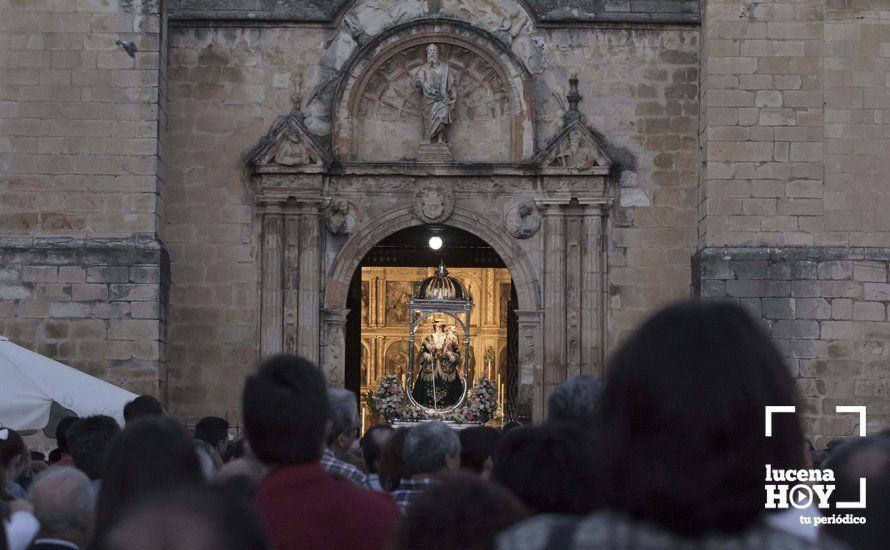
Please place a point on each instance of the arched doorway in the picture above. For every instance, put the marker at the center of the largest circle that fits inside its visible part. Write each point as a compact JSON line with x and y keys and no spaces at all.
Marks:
{"x":376,"y":327}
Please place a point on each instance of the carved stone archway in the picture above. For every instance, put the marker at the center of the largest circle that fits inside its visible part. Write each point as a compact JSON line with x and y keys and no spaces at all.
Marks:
{"x":322,"y":210}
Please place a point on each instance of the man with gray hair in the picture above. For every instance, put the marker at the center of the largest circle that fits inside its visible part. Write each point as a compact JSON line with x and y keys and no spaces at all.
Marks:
{"x":430,"y":449}
{"x":345,"y":427}
{"x":575,"y":401}
{"x":63,"y":504}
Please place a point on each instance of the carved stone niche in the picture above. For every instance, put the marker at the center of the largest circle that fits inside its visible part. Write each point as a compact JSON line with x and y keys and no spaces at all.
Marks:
{"x":289,"y":148}
{"x":574,"y":151}
{"x":377,"y":114}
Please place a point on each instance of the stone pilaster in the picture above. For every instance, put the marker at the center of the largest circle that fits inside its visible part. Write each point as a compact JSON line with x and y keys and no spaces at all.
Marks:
{"x":271,"y":309}
{"x":334,"y":347}
{"x":554,"y":292}
{"x":592,"y":285}
{"x":309,"y":284}
{"x":529,"y":395}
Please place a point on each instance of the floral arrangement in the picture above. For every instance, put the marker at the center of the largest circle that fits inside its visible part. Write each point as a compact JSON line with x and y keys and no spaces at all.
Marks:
{"x":482,"y":402}
{"x":390,"y":401}
{"x":390,"y":398}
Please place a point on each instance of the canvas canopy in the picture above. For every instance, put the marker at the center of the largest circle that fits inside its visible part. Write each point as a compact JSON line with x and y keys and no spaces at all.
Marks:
{"x":30,"y":383}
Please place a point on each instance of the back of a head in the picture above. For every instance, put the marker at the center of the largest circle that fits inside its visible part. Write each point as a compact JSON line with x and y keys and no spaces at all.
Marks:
{"x":63,"y":500}
{"x":144,"y":405}
{"x":370,"y":445}
{"x":62,"y":432}
{"x":286,"y":411}
{"x":477,"y":444}
{"x":11,"y":446}
{"x":701,"y":374}
{"x":344,"y":412}
{"x":212,"y":430}
{"x":463,"y":511}
{"x":550,"y":468}
{"x":867,"y":458}
{"x":575,"y":400}
{"x":152,"y":454}
{"x":208,"y":519}
{"x":427,"y":447}
{"x":392,"y":462}
{"x":88,"y":440}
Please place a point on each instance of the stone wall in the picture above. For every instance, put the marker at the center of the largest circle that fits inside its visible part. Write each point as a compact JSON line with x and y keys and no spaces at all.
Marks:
{"x":81,"y":172}
{"x":96,"y":305}
{"x":827,"y":308}
{"x":794,"y":137}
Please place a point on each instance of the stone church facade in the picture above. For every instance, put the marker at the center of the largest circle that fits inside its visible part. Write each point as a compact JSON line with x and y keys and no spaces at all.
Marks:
{"x":169,"y":217}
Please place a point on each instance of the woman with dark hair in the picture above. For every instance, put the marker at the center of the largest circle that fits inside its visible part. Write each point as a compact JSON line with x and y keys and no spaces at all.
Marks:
{"x":153,"y":454}
{"x":17,"y":524}
{"x":681,"y":434}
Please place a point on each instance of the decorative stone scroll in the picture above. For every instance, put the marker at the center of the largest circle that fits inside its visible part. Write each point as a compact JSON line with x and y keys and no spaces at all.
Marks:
{"x":522,"y":219}
{"x":433,"y":202}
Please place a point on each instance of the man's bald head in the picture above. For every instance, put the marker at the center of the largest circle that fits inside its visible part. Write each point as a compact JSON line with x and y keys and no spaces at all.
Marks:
{"x":63,"y":503}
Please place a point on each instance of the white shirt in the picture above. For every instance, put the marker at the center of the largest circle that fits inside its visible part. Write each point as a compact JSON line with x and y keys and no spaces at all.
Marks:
{"x":21,"y":529}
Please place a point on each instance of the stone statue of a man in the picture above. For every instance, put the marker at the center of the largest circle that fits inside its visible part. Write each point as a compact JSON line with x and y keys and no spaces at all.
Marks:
{"x":436,"y":84}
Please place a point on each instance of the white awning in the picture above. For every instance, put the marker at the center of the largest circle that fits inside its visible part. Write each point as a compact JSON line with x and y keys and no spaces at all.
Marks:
{"x":30,"y":383}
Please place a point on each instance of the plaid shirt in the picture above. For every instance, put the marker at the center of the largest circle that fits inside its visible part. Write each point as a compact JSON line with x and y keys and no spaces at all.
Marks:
{"x":409,"y":489}
{"x":343,"y":470}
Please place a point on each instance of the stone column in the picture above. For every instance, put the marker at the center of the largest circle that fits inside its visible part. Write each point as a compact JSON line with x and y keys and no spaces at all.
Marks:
{"x":529,"y":394}
{"x":592,"y":285}
{"x":309,"y":284}
{"x":291,"y":281}
{"x":334,"y":347}
{"x":554,"y":292}
{"x":271,"y":312}
{"x":573,"y":291}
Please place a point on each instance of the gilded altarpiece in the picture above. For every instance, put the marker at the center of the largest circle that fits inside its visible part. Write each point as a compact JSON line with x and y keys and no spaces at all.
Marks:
{"x":385,"y":323}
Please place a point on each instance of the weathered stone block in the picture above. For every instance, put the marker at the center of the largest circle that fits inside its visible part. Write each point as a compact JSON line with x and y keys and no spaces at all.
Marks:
{"x":133,"y":292}
{"x":39,"y":274}
{"x":813,"y":308}
{"x":778,"y":308}
{"x":758,"y":288}
{"x":108,"y":274}
{"x":72,"y":274}
{"x":877,"y":292}
{"x":868,"y":311}
{"x":89,"y":292}
{"x":872,"y":272}
{"x":836,"y":270}
{"x":801,"y":330}
{"x":132,"y":329}
{"x":69,"y":310}
{"x":145,"y":274}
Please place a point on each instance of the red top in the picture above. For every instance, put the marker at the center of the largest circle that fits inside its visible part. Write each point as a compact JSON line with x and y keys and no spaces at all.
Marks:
{"x":302,"y":506}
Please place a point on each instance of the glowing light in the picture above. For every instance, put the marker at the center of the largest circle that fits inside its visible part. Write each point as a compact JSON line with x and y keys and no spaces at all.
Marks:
{"x":436,"y":243}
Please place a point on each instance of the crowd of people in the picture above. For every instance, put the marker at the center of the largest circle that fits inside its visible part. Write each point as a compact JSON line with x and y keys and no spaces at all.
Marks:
{"x":666,"y":451}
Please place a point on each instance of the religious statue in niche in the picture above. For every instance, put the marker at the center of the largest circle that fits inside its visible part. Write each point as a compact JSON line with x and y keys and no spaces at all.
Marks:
{"x":574,"y":154}
{"x":436,"y":84}
{"x":398,"y":294}
{"x":438,"y":383}
{"x":291,"y":151}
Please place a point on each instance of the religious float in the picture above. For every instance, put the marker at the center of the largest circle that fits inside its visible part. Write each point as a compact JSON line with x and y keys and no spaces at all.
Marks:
{"x":437,"y":382}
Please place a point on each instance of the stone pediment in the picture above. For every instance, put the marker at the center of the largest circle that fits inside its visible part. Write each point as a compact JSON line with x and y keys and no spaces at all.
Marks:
{"x":575,"y":150}
{"x":289,"y":148}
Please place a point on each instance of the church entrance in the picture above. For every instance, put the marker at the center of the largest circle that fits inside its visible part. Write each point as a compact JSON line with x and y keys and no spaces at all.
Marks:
{"x":376,"y":331}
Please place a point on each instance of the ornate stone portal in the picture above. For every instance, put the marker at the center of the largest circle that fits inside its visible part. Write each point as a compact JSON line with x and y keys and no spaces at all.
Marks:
{"x":323,"y":208}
